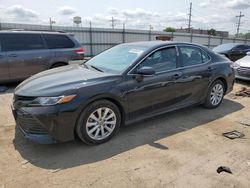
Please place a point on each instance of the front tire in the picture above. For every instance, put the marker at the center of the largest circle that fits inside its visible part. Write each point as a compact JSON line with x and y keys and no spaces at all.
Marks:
{"x":99,"y":122}
{"x":215,"y":94}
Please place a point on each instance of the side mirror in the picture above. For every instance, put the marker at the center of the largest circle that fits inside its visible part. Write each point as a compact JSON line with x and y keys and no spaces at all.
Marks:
{"x":248,"y":53}
{"x":146,"y":71}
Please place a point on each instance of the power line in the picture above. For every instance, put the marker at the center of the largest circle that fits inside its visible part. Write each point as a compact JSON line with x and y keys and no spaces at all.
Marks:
{"x":239,"y":23}
{"x":190,"y":17}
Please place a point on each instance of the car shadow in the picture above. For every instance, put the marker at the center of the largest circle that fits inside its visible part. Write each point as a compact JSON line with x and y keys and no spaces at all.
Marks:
{"x":76,"y":153}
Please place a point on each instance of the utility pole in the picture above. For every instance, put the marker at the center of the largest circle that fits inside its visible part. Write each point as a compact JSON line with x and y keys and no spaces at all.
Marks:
{"x":112,"y":23}
{"x":190,"y":17}
{"x":239,"y":23}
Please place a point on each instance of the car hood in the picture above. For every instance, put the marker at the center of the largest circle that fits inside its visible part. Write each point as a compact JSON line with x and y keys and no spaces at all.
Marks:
{"x":244,"y":62}
{"x":56,"y":81}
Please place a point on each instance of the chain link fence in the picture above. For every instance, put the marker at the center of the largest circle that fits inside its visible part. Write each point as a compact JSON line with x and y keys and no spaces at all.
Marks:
{"x":96,"y":40}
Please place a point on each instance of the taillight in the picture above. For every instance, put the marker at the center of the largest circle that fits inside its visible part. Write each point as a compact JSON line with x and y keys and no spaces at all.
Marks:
{"x":79,"y":51}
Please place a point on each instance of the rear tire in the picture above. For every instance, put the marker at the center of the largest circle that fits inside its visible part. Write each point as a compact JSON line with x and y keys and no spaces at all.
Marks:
{"x":98,"y":122}
{"x":215,"y":94}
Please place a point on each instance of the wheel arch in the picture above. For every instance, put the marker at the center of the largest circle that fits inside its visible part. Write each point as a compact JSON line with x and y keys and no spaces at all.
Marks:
{"x":58,"y":62}
{"x":221,"y":78}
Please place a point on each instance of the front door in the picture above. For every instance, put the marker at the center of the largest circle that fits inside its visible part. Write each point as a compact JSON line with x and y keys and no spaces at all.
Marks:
{"x":153,"y":93}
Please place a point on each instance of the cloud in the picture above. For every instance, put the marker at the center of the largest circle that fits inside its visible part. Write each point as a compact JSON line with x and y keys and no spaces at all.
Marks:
{"x":66,"y":10}
{"x":19,"y":12}
{"x":238,"y":4}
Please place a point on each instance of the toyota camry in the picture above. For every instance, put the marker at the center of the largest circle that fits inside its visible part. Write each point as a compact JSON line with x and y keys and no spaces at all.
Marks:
{"x":124,"y":84}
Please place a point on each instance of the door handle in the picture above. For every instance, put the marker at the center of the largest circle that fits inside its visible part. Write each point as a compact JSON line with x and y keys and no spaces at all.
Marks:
{"x":210,"y":69}
{"x":12,"y":55}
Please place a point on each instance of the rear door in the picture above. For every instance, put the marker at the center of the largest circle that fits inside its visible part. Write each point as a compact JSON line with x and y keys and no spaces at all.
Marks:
{"x":62,"y":47}
{"x":27,"y":54}
{"x":4,"y":66}
{"x":196,"y":69}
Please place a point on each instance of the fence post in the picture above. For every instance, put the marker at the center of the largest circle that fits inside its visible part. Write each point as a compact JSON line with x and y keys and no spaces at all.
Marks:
{"x":172,"y":36}
{"x":191,"y":36}
{"x":234,"y":40}
{"x":123,"y":33}
{"x":90,"y":39}
{"x":221,"y":40}
{"x":209,"y":38}
{"x":149,"y":35}
{"x":246,"y":40}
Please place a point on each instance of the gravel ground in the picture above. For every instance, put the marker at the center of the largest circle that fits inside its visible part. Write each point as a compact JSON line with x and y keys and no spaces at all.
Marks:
{"x":178,"y":149}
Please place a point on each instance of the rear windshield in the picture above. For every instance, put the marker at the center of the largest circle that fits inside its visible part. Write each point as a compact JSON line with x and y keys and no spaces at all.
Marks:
{"x":58,"y":41}
{"x":224,"y":47}
{"x":17,"y":42}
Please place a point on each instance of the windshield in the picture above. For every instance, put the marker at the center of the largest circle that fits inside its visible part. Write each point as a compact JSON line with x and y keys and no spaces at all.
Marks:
{"x":116,"y":59}
{"x":224,"y":47}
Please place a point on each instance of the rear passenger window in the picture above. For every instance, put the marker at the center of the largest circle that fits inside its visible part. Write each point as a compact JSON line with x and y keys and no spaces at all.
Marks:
{"x":205,"y":57}
{"x":17,"y":42}
{"x":58,"y":41}
{"x":191,"y":56}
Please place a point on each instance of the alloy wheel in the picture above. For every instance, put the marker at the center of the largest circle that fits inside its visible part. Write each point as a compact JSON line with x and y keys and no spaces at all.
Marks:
{"x":101,"y":123}
{"x":216,"y":94}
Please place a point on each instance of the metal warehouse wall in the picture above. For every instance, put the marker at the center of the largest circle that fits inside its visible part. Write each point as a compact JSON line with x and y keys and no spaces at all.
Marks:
{"x":95,"y":40}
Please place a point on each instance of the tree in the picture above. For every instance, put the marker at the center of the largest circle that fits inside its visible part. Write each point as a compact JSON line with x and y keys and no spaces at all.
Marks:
{"x":212,"y":32}
{"x":244,"y":35}
{"x":169,"y":29}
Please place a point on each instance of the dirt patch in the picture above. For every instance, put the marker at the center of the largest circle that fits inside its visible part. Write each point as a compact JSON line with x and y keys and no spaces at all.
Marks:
{"x":178,"y":149}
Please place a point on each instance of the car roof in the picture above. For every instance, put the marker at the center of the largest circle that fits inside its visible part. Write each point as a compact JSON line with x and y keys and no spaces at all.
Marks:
{"x":159,"y":43}
{"x":31,"y":32}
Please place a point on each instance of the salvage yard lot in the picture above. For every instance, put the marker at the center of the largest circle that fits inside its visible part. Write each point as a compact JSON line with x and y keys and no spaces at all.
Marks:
{"x":178,"y":149}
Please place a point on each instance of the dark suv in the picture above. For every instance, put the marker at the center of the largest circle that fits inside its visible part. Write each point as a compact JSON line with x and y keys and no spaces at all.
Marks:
{"x":233,"y":51}
{"x":25,"y":53}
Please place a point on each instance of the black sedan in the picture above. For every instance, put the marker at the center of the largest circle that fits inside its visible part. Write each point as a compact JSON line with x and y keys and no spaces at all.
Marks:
{"x":124,"y":84}
{"x":233,"y":51}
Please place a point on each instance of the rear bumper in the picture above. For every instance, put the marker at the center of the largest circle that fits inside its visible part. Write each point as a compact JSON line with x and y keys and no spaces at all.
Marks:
{"x":230,"y":82}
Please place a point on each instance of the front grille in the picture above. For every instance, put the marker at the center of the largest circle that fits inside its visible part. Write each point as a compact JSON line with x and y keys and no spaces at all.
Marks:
{"x":23,"y":98}
{"x":20,"y":101}
{"x":244,"y":71}
{"x":29,"y":124}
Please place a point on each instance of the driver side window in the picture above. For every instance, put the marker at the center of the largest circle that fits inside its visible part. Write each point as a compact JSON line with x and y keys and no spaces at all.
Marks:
{"x":161,"y":60}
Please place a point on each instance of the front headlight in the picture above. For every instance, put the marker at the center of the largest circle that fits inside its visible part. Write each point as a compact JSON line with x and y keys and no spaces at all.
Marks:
{"x":236,"y":65}
{"x":48,"y":101}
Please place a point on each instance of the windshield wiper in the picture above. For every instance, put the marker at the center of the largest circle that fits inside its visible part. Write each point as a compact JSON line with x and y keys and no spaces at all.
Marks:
{"x":96,"y":68}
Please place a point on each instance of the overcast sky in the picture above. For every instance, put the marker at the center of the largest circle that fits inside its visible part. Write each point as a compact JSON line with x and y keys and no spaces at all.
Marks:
{"x":137,"y":14}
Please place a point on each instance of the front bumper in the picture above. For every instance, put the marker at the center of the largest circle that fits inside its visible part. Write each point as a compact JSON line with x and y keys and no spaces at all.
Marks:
{"x":45,"y":125}
{"x":242,"y":73}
